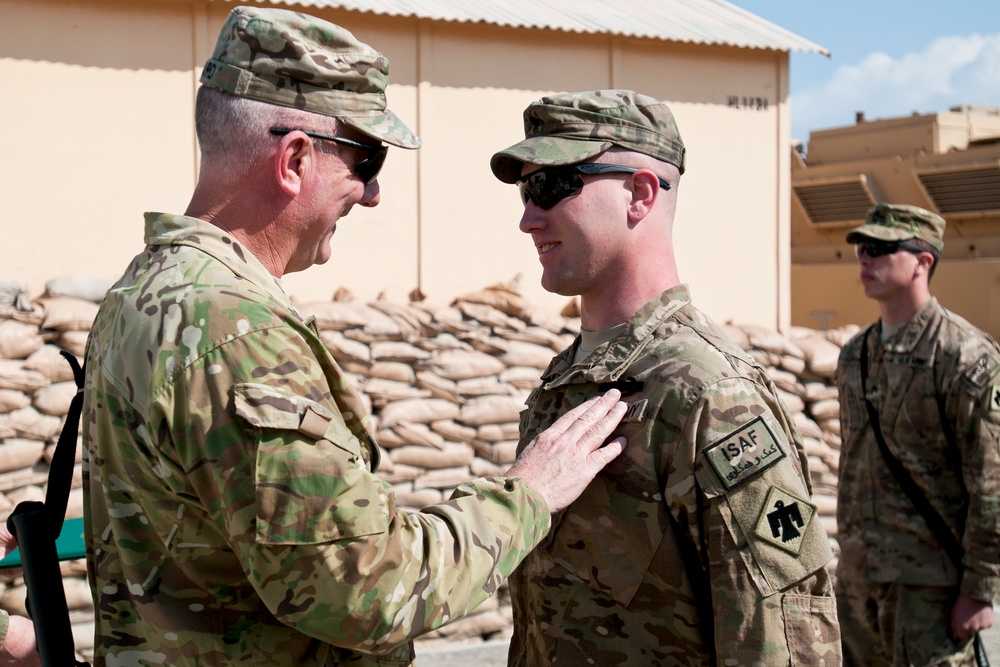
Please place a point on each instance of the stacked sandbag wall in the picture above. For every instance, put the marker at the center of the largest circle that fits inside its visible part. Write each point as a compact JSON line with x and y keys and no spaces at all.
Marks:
{"x":444,"y":383}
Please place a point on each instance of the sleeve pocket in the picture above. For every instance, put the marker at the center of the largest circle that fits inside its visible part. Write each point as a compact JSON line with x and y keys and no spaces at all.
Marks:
{"x":310,"y":481}
{"x":811,"y":630}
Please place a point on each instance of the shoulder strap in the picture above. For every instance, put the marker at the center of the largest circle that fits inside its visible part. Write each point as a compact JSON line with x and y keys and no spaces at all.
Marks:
{"x":931,"y":517}
{"x":64,"y":458}
{"x":36,"y":526}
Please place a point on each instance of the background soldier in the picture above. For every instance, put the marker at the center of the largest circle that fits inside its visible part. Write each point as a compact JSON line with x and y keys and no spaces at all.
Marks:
{"x":685,"y":550}
{"x":233,"y":516}
{"x":922,"y":380}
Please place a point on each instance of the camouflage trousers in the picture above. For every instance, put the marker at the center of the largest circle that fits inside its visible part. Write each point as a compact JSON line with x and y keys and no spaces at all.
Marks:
{"x":899,"y":625}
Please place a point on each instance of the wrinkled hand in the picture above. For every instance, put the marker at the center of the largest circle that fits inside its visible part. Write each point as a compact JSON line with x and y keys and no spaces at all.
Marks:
{"x":969,"y":616}
{"x":7,"y":541}
{"x":562,"y":460}
{"x":19,"y":646}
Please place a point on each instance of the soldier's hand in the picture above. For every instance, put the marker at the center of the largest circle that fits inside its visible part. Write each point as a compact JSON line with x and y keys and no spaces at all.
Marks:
{"x":19,"y":646}
{"x":561,"y":461}
{"x":969,"y":616}
{"x":7,"y":541}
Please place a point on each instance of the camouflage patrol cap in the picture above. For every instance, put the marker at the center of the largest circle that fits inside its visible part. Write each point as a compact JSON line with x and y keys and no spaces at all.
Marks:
{"x":295,"y":60}
{"x":573,"y":127}
{"x":899,"y":222}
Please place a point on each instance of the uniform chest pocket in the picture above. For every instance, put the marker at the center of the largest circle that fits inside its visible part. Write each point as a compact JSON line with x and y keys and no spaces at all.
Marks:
{"x":609,"y":535}
{"x":311,"y":484}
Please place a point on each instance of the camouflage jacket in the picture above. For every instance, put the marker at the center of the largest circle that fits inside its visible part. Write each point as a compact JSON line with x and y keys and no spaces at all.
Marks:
{"x":233,"y":518}
{"x":697,"y":546}
{"x":937,"y":376}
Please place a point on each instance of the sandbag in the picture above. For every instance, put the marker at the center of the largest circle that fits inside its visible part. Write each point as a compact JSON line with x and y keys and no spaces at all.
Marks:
{"x":55,"y":398}
{"x":393,"y":370}
{"x":11,"y":399}
{"x":462,"y":364}
{"x":18,"y":340}
{"x":820,"y":354}
{"x":18,"y":453}
{"x":13,"y":375}
{"x":88,"y":288}
{"x":420,"y":410}
{"x":68,"y":314}
{"x":74,"y":342}
{"x":49,"y":362}
{"x":14,"y":295}
{"x":451,"y":455}
{"x":492,"y":410}
{"x":419,"y":434}
{"x":337,"y":315}
{"x":32,"y":424}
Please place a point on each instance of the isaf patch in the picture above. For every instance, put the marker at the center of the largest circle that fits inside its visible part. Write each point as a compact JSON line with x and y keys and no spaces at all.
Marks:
{"x":744,"y":453}
{"x":784,"y":519}
{"x":984,"y":369}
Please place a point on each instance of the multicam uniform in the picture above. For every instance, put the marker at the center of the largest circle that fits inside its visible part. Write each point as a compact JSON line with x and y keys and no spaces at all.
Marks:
{"x":937,"y":374}
{"x":233,"y":516}
{"x":4,"y":626}
{"x":697,"y":546}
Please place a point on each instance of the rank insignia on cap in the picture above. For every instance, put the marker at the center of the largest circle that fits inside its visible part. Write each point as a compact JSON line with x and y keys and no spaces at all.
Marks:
{"x":744,"y":453}
{"x":784,"y":519}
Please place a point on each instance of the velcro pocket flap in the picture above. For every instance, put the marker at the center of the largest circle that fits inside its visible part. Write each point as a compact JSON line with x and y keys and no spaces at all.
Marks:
{"x":311,"y":483}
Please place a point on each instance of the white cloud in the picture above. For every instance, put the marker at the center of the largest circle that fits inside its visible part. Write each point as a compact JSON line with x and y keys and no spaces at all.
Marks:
{"x":951,"y":71}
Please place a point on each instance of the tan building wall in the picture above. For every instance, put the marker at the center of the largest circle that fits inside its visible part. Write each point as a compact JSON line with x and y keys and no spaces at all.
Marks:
{"x":98,"y":106}
{"x":947,"y":162}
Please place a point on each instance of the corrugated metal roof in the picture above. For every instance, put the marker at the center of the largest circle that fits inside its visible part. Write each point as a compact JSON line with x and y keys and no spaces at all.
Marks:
{"x":693,"y":21}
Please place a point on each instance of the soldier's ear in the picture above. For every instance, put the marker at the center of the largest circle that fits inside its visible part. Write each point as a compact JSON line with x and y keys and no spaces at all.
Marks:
{"x":293,"y":159}
{"x":645,"y":187}
{"x":925,"y":261}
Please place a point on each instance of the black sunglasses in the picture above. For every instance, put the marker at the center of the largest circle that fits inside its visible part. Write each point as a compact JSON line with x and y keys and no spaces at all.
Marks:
{"x":547,"y":187}
{"x":366,"y":169}
{"x":875,"y":248}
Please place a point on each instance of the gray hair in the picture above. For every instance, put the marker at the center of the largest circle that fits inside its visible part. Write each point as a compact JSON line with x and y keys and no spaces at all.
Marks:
{"x":236,"y":130}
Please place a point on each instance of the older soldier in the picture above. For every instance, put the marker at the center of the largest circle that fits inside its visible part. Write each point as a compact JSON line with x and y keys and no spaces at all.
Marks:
{"x":919,"y":512}
{"x":233,"y":515}
{"x":700,"y":545}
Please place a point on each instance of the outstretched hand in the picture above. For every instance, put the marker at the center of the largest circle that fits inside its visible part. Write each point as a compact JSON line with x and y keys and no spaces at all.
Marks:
{"x":562,"y":460}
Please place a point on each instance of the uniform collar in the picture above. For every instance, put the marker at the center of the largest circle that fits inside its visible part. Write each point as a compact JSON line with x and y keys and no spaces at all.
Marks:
{"x":610,"y":361}
{"x":906,"y":339}
{"x":165,"y":229}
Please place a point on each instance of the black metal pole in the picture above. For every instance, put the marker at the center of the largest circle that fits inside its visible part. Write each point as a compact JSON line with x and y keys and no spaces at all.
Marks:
{"x":46,"y":598}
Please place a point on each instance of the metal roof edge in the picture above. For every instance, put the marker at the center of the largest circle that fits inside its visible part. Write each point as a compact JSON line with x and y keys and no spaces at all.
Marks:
{"x":710,"y":20}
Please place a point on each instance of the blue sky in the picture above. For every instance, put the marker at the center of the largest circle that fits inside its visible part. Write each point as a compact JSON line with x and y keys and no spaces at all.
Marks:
{"x":888,"y":57}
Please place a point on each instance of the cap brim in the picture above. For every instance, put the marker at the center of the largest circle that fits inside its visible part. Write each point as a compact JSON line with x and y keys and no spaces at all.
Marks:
{"x":384,"y":126}
{"x":878,"y":232}
{"x":549,"y":151}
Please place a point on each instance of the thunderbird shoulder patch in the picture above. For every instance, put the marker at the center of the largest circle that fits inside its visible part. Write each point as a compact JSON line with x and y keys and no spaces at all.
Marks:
{"x":784,"y":519}
{"x":744,"y":453}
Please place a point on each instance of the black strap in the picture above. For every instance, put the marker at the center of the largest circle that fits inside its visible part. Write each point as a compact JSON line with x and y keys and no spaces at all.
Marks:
{"x":64,"y":457}
{"x":934,"y":521}
{"x":932,"y":518}
{"x":36,"y":526}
